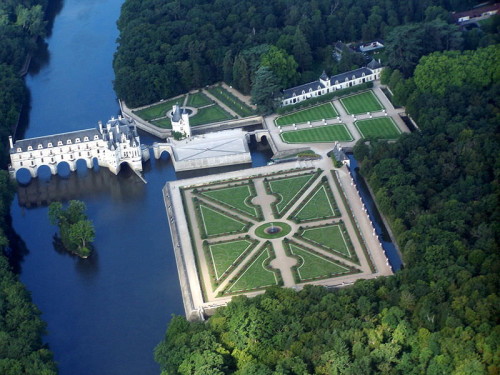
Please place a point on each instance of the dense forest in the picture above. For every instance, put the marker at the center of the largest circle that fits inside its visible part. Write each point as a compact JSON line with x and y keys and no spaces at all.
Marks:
{"x":169,"y":47}
{"x":22,"y":351}
{"x":438,"y":187}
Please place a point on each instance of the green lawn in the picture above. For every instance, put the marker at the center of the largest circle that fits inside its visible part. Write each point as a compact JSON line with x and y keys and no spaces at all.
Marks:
{"x":318,"y":206}
{"x":163,"y":123}
{"x":319,"y":134}
{"x":255,"y":276}
{"x":158,"y":110}
{"x":226,"y":253}
{"x":362,"y":103}
{"x":381,"y":127}
{"x":238,"y":197}
{"x":216,"y":222}
{"x":241,"y":108}
{"x":323,"y":111}
{"x":315,"y":266}
{"x":197,"y":100}
{"x":288,"y":189}
{"x":330,"y":236}
{"x":208,"y":115}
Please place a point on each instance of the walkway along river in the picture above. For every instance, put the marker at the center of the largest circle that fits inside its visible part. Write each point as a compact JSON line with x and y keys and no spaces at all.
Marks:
{"x":104,"y":314}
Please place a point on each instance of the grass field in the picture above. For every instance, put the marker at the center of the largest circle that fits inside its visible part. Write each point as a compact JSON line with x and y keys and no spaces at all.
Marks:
{"x":158,"y":110}
{"x":226,"y":253}
{"x":163,"y":123}
{"x":382,"y":127}
{"x":362,"y":103}
{"x":216,"y":223}
{"x":323,"y":111}
{"x":231,"y":101}
{"x":208,"y":115}
{"x":330,"y":236}
{"x":318,"y":206}
{"x":237,"y":197}
{"x":255,"y":276}
{"x":315,"y":266}
{"x":319,"y":134}
{"x":288,"y":189}
{"x":197,"y":100}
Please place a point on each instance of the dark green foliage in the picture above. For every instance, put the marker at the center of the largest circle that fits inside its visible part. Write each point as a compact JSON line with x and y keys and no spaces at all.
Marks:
{"x":169,"y":47}
{"x":76,"y":231}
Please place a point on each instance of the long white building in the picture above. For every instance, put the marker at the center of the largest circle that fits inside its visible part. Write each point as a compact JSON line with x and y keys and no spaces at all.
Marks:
{"x":111,"y":145}
{"x":325,"y":84}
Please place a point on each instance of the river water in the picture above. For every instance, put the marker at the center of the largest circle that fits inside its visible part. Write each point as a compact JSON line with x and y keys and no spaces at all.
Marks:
{"x":105,"y":314}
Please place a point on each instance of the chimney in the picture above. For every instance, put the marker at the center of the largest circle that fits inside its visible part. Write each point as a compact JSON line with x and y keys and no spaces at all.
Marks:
{"x":11,"y":142}
{"x":100,"y":127}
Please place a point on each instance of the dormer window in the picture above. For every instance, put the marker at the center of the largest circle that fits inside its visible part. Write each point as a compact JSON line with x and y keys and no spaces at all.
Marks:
{"x":96,"y":137}
{"x":353,"y":77}
{"x":19,"y":149}
{"x":49,"y":144}
{"x":337,"y":82}
{"x":363,"y":74}
{"x":303,"y":92}
{"x":40,"y":146}
{"x":68,"y":142}
{"x":77,"y":140}
{"x":59,"y":143}
{"x":30,"y":148}
{"x":85,"y":139}
{"x":346,"y":79}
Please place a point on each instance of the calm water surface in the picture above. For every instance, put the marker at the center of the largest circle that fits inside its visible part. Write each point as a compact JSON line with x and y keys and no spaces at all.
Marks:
{"x":105,"y":314}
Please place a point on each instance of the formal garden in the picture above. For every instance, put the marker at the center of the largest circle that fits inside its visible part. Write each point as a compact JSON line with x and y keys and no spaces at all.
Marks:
{"x":381,"y":127}
{"x":234,"y":103}
{"x":253,"y":232}
{"x":361,"y":103}
{"x":320,"y":112}
{"x":318,"y":134}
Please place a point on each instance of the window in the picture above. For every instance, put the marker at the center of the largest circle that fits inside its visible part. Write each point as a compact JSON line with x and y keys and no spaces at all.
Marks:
{"x":19,"y":149}
{"x":30,"y":148}
{"x":96,"y":137}
{"x":68,"y":142}
{"x":346,"y":79}
{"x":59,"y":143}
{"x":85,"y":139}
{"x":49,"y":144}
{"x":40,"y":147}
{"x":77,"y":140}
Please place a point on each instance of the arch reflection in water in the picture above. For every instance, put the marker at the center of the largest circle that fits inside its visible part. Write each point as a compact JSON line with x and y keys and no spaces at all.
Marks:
{"x":42,"y":191}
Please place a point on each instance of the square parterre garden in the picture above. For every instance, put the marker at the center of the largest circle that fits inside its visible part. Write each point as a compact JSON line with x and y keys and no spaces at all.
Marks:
{"x":283,"y":228}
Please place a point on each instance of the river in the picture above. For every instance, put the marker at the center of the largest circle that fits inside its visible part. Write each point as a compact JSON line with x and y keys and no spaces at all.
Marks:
{"x":105,"y":314}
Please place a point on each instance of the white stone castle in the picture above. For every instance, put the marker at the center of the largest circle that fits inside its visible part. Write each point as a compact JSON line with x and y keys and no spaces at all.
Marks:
{"x":111,"y":145}
{"x":180,"y":121}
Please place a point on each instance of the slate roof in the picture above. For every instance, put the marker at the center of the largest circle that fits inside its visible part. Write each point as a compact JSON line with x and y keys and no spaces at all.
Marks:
{"x":374,"y":64}
{"x":358,"y":73}
{"x":63,"y":137}
{"x":176,"y":115}
{"x":315,"y":85}
{"x":288,"y":93}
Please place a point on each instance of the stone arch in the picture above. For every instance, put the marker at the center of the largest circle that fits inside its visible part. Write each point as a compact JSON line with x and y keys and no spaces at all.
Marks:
{"x":24,"y":175}
{"x":65,"y":167}
{"x":164,"y":154}
{"x":42,"y":169}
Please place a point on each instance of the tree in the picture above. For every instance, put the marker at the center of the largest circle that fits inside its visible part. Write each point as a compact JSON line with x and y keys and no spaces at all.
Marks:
{"x":241,"y":75}
{"x":265,"y":89}
{"x":302,"y":51}
{"x":282,"y":65}
{"x":76,"y":231}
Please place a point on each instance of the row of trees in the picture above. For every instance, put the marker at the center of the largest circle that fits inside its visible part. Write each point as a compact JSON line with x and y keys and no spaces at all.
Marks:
{"x":439,"y":190}
{"x":22,"y":351}
{"x":169,"y":47}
